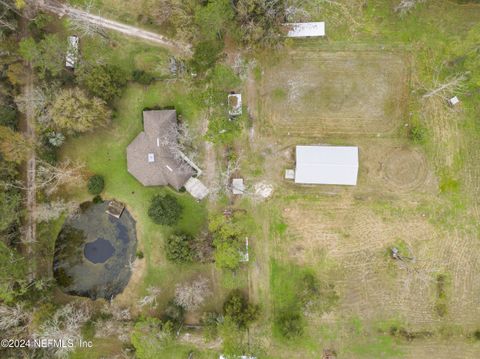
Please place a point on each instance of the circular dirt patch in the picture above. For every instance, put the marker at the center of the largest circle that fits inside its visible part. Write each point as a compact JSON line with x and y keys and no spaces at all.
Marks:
{"x":405,"y":169}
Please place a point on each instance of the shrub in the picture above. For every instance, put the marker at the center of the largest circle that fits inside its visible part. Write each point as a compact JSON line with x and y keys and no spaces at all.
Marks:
{"x":142,"y":77}
{"x":95,"y":185}
{"x":97,"y":199}
{"x":417,"y":134}
{"x":63,"y":279}
{"x":165,"y":210}
{"x":173,"y":314}
{"x":178,"y":248}
{"x":206,"y":54}
{"x":237,"y":308}
{"x":289,"y":324}
{"x":139,"y":254}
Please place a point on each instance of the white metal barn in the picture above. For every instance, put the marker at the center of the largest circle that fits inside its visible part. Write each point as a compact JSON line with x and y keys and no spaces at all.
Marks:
{"x":306,"y":29}
{"x":326,"y":165}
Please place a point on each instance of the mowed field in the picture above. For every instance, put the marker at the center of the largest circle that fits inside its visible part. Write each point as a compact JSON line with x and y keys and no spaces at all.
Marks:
{"x":344,"y":234}
{"x":315,"y":93}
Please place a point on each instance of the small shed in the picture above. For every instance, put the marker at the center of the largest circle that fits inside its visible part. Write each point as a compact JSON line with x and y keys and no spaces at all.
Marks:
{"x":72,"y":52}
{"x":305,"y":29}
{"x":238,"y":187}
{"x":115,"y":208}
{"x":336,"y":165}
{"x":290,"y":174}
{"x":235,"y":104}
{"x":196,"y":188}
{"x":244,"y":255}
{"x":454,"y":101}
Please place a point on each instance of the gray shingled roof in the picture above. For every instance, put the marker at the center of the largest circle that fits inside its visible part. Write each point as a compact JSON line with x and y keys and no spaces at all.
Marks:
{"x":158,"y":138}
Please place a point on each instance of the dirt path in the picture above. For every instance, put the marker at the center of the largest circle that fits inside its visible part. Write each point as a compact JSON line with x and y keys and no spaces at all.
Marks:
{"x":65,"y":10}
{"x":30,"y":234}
{"x":28,"y":128}
{"x":209,"y":163}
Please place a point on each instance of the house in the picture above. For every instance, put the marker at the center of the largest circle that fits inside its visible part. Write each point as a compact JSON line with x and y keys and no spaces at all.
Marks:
{"x":154,"y":158}
{"x":305,"y":29}
{"x":72,"y":52}
{"x":234,"y":104}
{"x":337,"y":165}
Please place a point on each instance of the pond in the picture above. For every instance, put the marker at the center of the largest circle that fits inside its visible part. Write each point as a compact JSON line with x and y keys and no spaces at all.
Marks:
{"x":93,"y":252}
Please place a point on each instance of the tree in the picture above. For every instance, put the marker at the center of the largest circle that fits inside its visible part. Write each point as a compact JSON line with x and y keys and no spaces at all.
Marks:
{"x":10,"y":202}
{"x":191,"y":295}
{"x":50,"y":177}
{"x":260,"y":20}
{"x":16,"y":74}
{"x":151,"y":297}
{"x":55,"y":139}
{"x":237,"y":308}
{"x":14,"y":146}
{"x":65,"y":324}
{"x":95,"y":185}
{"x":150,"y":336}
{"x":13,"y":272}
{"x":47,"y":56}
{"x":103,"y":81}
{"x":205,"y":55}
{"x":51,"y":210}
{"x":227,"y":254}
{"x":13,"y":317}
{"x":73,"y":111}
{"x":213,"y":18}
{"x":165,"y":210}
{"x":178,"y":248}
{"x":227,"y":240}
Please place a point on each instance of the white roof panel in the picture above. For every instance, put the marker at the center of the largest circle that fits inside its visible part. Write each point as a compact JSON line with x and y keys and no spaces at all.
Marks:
{"x":326,"y":165}
{"x":305,"y":29}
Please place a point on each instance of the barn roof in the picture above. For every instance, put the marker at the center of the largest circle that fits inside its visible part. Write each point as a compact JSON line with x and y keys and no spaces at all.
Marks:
{"x":152,"y":157}
{"x":326,"y":165}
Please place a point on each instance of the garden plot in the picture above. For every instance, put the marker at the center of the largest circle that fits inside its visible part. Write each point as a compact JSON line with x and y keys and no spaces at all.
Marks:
{"x":319,"y":93}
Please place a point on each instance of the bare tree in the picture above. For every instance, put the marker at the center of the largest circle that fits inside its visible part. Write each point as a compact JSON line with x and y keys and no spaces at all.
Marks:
{"x":13,"y":318}
{"x":405,"y":6}
{"x":151,"y":298}
{"x":50,"y":177}
{"x":7,"y":21}
{"x":64,"y":325}
{"x":453,"y":84}
{"x":222,"y":184}
{"x":84,"y":28}
{"x":191,"y":295}
{"x":47,"y":211}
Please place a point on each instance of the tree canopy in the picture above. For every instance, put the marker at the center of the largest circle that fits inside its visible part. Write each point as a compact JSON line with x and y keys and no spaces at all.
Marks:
{"x":13,"y":145}
{"x":73,"y":111}
{"x":47,"y":55}
{"x":178,"y":248}
{"x":165,"y":210}
{"x":103,"y":81}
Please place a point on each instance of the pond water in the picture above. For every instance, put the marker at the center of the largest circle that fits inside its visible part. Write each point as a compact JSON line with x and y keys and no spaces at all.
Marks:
{"x":98,"y":251}
{"x":93,"y":252}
